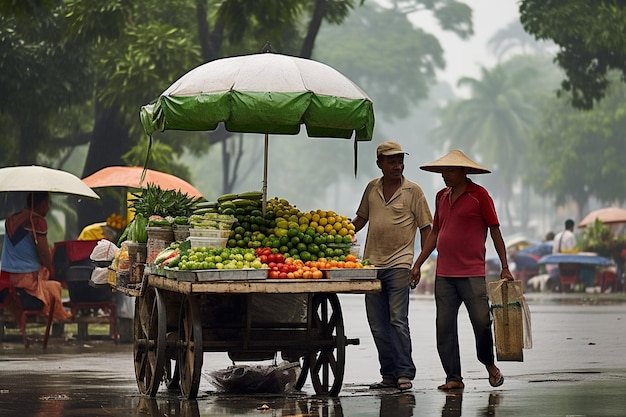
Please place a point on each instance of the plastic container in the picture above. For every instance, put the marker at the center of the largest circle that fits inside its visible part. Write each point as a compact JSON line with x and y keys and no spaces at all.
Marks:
{"x":159,"y":238}
{"x":214,"y":233}
{"x":207,"y":242}
{"x":181,"y":232}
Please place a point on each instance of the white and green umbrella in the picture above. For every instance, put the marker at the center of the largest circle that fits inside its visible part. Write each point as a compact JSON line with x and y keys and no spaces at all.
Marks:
{"x":266,"y":93}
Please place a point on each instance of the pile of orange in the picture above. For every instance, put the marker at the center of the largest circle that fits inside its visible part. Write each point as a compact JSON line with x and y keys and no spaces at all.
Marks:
{"x":314,"y":269}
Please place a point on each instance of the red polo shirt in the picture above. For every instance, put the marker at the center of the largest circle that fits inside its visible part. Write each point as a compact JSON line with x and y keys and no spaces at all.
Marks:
{"x":463,"y":228}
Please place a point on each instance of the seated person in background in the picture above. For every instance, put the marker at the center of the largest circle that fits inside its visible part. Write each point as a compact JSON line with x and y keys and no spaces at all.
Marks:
{"x":26,"y":254}
{"x":98,"y":231}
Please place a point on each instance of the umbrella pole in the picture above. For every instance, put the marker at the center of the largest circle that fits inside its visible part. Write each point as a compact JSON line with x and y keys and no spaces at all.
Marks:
{"x":265,"y":172}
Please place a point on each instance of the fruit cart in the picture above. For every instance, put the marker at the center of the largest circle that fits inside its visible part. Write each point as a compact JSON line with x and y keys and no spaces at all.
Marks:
{"x":177,"y":319}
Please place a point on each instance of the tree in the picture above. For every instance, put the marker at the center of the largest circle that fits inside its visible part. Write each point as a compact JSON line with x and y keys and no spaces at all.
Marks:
{"x":120,"y":55}
{"x":494,"y":122}
{"x":582,"y":152}
{"x":513,"y":40}
{"x":41,"y":78}
{"x":591,"y":37}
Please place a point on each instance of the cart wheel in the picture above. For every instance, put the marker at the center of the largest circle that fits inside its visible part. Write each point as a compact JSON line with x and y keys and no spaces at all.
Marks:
{"x":190,"y":352}
{"x":304,"y":372}
{"x":149,"y":341}
{"x":327,"y":366}
{"x":171,"y":374}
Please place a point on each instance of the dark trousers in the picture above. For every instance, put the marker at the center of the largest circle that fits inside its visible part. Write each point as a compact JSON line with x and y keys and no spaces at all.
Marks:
{"x":449,"y":294}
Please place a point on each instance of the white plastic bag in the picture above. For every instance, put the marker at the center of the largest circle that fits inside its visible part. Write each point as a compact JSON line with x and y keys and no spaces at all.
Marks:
{"x":100,"y":276}
{"x":105,"y":250}
{"x":528,"y":336}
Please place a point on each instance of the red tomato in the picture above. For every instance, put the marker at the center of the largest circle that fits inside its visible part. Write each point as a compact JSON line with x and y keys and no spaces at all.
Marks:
{"x":283,"y":268}
{"x":273,"y":274}
{"x":266,"y":251}
{"x":280,"y":258}
{"x":263,"y":258}
{"x":271,"y":264}
{"x":272,"y":258}
{"x":282,"y":275}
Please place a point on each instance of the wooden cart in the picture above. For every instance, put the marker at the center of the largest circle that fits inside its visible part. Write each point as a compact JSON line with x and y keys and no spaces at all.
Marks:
{"x":176,"y":321}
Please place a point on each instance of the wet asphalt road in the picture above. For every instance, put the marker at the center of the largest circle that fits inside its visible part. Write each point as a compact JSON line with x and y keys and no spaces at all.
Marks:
{"x":577,"y":367}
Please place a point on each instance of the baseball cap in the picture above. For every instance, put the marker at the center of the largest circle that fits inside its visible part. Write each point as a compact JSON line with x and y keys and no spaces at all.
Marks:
{"x":389,"y":148}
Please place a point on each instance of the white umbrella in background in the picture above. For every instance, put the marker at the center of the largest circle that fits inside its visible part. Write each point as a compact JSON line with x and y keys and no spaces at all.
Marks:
{"x":37,"y":178}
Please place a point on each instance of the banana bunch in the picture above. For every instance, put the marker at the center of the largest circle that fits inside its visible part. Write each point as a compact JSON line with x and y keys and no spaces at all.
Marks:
{"x":231,"y":203}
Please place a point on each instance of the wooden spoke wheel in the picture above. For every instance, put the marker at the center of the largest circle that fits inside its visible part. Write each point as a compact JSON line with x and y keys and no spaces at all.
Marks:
{"x":327,"y":365}
{"x":304,"y":372}
{"x":149,"y":341}
{"x":190,"y":352}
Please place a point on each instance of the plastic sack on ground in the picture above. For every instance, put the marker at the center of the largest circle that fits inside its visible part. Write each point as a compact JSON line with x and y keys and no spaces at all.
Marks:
{"x":100,"y":276}
{"x":250,"y":379}
{"x":105,"y":250}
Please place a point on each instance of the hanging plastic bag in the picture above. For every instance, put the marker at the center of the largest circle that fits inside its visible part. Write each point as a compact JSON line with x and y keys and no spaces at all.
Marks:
{"x":105,"y":250}
{"x":100,"y":276}
{"x":528,"y":336}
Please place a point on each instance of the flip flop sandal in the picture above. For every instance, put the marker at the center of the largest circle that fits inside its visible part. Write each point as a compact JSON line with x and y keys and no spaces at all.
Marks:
{"x":404,"y":384}
{"x":495,"y":380}
{"x":452,"y":385}
{"x":382,"y":385}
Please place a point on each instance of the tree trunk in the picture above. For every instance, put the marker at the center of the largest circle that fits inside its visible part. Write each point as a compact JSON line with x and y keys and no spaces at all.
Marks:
{"x":110,"y":132}
{"x":314,"y":28}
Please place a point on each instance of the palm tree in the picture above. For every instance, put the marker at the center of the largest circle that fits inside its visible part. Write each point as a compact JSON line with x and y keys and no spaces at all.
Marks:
{"x":512,"y":39}
{"x":493,"y":122}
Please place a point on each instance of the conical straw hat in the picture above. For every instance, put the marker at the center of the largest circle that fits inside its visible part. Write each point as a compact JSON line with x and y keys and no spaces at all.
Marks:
{"x":455,"y":158}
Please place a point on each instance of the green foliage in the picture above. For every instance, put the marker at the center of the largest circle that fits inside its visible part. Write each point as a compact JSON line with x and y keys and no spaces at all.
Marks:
{"x":382,"y":52}
{"x":153,"y":200}
{"x":582,"y":152}
{"x":41,"y":72}
{"x":598,"y":238}
{"x":162,"y":158}
{"x":591,"y":36}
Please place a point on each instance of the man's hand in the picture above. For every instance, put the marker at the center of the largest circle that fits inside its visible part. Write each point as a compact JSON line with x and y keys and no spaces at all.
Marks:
{"x":506,"y":274}
{"x":415,"y":276}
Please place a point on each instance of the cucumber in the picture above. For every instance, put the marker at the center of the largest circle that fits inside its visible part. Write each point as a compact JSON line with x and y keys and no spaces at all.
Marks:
{"x":226,"y":197}
{"x":205,"y":210}
{"x":251,"y":195}
{"x":240,"y":202}
{"x":206,"y":204}
{"x":228,"y":204}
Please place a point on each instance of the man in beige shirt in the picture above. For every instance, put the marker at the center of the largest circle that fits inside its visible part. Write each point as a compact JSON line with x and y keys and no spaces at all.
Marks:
{"x":396,"y":209}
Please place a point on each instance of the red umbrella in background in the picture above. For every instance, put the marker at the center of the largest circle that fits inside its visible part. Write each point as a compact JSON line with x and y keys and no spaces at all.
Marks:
{"x":608,"y":215}
{"x":123,"y":176}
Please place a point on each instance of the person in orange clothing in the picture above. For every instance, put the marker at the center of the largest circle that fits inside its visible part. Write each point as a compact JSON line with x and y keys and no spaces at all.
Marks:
{"x":26,"y":255}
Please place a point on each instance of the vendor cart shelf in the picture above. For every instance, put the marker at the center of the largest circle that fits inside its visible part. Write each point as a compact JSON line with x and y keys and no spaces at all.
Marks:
{"x":177,"y":321}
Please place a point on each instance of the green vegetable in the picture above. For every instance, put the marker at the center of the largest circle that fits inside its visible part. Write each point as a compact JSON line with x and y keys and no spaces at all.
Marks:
{"x":141,"y":234}
{"x":123,"y":236}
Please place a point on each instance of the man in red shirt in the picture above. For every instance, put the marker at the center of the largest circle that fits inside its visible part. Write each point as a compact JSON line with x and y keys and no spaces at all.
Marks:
{"x":464,"y":212}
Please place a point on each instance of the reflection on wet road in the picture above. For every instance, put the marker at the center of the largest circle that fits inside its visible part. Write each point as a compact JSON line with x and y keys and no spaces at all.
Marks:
{"x":577,"y":367}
